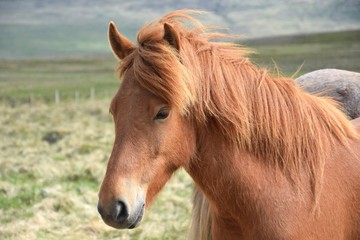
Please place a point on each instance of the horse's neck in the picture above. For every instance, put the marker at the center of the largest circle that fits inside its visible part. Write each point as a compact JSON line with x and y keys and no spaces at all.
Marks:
{"x":230,"y":179}
{"x":238,"y":185}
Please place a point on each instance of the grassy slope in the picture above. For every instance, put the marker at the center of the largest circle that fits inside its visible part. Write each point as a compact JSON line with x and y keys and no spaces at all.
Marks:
{"x":315,"y":51}
{"x":20,"y":79}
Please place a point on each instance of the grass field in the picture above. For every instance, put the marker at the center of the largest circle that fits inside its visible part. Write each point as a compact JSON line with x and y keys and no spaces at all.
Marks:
{"x":53,"y":159}
{"x":53,"y":156}
{"x":314,"y":51}
{"x":22,"y":80}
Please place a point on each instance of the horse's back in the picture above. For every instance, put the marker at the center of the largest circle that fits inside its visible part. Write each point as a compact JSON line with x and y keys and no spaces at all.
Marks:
{"x":356,"y":122}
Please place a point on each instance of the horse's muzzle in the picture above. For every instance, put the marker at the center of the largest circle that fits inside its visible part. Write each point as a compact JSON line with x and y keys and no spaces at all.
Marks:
{"x":121,"y":216}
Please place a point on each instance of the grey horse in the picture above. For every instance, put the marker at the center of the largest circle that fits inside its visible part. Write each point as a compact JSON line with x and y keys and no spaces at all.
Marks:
{"x":341,"y":85}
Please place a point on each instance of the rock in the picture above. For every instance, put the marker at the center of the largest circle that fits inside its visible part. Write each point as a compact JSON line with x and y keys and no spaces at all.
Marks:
{"x":343,"y":86}
{"x":52,"y":137}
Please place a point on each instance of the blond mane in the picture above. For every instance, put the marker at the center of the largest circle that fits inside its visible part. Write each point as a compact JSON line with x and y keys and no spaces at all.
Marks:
{"x":215,"y":83}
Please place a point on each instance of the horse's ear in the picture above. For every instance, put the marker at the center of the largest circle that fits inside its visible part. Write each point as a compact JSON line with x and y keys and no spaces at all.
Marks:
{"x":171,"y":36}
{"x":120,"y":45}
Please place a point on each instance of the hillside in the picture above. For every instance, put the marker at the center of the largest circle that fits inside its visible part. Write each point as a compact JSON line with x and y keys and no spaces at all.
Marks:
{"x":47,"y":28}
{"x":308,"y":52}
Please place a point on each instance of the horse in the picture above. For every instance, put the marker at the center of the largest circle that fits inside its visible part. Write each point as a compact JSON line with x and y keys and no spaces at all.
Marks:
{"x":273,"y":161}
{"x":341,"y":85}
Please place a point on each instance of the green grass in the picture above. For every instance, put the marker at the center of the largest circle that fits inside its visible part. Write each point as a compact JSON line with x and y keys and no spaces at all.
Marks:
{"x":25,"y":80}
{"x":314,"y":51}
{"x":49,"y":191}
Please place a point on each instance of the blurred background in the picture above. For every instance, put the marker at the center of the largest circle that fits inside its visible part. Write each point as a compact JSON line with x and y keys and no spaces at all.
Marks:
{"x":48,"y":28}
{"x":57,"y":77}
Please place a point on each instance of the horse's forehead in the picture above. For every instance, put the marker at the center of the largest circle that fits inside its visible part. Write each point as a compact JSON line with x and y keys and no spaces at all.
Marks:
{"x":131,"y":94}
{"x":128,"y":83}
{"x":130,"y":89}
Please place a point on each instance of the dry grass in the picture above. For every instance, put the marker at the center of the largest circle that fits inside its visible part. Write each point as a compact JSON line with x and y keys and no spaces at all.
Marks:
{"x":49,"y":190}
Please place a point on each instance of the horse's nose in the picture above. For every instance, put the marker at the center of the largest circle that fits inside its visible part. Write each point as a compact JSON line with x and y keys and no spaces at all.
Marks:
{"x":119,"y":212}
{"x":100,"y":209}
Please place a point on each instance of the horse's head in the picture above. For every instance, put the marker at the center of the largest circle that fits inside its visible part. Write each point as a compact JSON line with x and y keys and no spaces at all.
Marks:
{"x":153,"y":138}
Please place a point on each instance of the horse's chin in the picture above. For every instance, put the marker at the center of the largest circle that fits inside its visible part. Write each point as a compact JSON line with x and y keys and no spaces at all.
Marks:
{"x":135,"y":225}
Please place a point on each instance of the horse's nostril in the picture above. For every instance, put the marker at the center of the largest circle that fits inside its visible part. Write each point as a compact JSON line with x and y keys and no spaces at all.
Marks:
{"x":100,"y":209}
{"x":120,"y":211}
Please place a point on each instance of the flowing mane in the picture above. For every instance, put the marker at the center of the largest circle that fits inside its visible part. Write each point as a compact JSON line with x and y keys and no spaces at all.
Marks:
{"x":216,"y":84}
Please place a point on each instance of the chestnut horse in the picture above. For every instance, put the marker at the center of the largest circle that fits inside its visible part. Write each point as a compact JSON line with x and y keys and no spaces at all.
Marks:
{"x":341,"y":85}
{"x":273,"y":161}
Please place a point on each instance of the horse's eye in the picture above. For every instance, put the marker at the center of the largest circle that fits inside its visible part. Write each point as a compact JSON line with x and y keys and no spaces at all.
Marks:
{"x":162,"y":114}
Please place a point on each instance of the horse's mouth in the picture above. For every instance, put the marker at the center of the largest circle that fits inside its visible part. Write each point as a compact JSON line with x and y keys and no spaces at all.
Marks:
{"x":138,"y":219}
